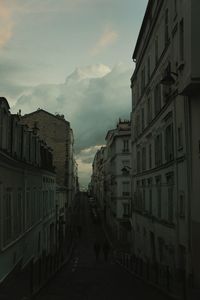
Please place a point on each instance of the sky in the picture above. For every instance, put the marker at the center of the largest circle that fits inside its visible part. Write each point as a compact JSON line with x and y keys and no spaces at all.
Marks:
{"x":72,"y":57}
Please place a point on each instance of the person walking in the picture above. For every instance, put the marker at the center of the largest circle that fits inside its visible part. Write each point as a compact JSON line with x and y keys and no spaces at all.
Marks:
{"x":106,"y":250}
{"x":79,"y":230}
{"x":97,"y":249}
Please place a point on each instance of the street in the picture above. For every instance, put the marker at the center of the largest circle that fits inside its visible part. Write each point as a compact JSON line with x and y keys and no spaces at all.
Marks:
{"x":85,"y":278}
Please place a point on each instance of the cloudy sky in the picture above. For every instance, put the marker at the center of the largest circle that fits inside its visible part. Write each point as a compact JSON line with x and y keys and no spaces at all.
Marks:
{"x":71,"y":57}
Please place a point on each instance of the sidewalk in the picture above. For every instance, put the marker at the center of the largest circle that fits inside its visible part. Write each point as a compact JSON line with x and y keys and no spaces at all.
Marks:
{"x":122,"y":257}
{"x":20,"y":286}
{"x":24,"y":284}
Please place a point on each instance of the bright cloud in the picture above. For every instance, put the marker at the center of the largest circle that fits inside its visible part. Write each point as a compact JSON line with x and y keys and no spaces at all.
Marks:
{"x":84,"y":160}
{"x":107,"y":38}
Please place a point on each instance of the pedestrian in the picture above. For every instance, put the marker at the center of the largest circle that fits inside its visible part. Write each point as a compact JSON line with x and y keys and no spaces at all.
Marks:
{"x":97,"y":249}
{"x":79,"y":230}
{"x":106,"y":250}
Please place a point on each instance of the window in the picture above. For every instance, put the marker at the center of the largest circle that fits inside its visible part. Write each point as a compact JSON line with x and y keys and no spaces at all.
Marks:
{"x":150,"y":157}
{"x":153,"y":247}
{"x":34,"y":206}
{"x":18,"y":213}
{"x":137,"y":125}
{"x":156,"y":50}
{"x":158,"y":150}
{"x":149,"y":110}
{"x":125,"y":145}
{"x":138,"y":196}
{"x":143,"y":158}
{"x":159,"y":200}
{"x":28,"y":209}
{"x":180,"y":137}
{"x":166,"y":91}
{"x":125,"y":188}
{"x":169,"y":143}
{"x":148,"y":68}
{"x":182,"y":204}
{"x":126,"y":209}
{"x":143,"y":195}
{"x":150,"y":195}
{"x":157,"y":99}
{"x":166,"y":27}
{"x":175,"y":8}
{"x":181,"y":41}
{"x":126,"y":163}
{"x":161,"y":248}
{"x":143,"y":80}
{"x":138,"y":162}
{"x":170,"y":183}
{"x":142,"y":116}
{"x":7,"y":217}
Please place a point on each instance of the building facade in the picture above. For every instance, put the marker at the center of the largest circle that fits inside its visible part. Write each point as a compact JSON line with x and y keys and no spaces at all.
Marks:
{"x":56,"y":131}
{"x":165,"y":145}
{"x":111,"y":181}
{"x":27,"y":196}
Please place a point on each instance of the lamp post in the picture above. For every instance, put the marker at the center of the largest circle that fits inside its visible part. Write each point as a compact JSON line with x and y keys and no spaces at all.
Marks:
{"x":126,"y":170}
{"x":168,"y":78}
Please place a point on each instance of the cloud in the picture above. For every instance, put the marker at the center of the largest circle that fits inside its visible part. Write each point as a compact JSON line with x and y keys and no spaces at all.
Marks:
{"x":86,"y":155}
{"x":92,"y":98}
{"x":107,"y":38}
{"x":52,"y":6}
{"x":84,"y":160}
{"x":6,"y":22}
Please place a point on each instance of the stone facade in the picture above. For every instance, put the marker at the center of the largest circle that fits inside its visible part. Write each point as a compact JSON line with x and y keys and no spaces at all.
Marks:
{"x":55,"y":130}
{"x":111,"y":180}
{"x":165,"y":145}
{"x":27,"y":196}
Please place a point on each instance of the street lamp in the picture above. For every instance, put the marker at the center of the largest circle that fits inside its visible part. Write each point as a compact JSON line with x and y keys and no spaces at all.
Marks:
{"x":168,"y":79}
{"x":126,"y":170}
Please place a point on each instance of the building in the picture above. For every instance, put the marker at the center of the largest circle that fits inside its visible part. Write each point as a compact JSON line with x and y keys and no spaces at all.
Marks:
{"x":165,"y":146}
{"x":111,"y":181}
{"x":27,"y":198}
{"x":56,"y":131}
{"x":98,"y":181}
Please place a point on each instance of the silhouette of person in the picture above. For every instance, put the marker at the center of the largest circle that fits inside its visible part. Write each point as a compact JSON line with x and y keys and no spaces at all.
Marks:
{"x":106,"y":250}
{"x":79,"y":230}
{"x":97,"y":249}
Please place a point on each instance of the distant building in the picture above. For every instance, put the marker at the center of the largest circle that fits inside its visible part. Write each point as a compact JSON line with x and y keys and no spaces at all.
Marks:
{"x":165,"y":145}
{"x":111,"y":180}
{"x":27,"y":196}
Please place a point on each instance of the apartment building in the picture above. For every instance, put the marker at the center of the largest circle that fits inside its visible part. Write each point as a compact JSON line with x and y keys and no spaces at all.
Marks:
{"x":56,"y":131}
{"x":111,"y":181}
{"x":98,"y":180}
{"x":27,"y":195}
{"x":165,"y":145}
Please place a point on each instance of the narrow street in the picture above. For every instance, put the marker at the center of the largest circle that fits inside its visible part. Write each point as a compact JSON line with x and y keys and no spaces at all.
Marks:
{"x":85,"y":278}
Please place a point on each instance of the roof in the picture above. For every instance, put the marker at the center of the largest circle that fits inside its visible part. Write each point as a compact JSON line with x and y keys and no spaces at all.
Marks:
{"x":58,"y":117}
{"x":4,"y":100}
{"x":109,"y":133}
